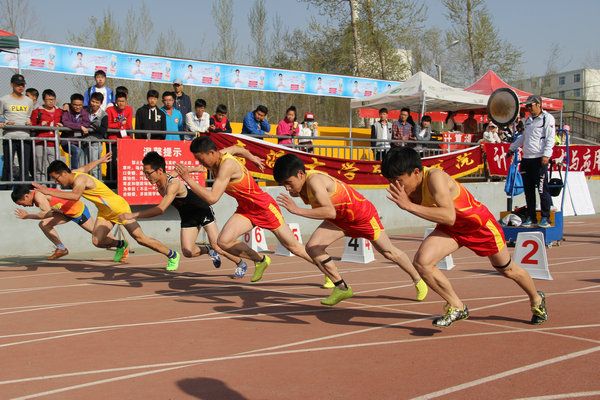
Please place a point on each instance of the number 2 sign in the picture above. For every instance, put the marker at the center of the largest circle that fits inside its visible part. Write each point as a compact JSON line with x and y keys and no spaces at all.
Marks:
{"x":530,"y":253}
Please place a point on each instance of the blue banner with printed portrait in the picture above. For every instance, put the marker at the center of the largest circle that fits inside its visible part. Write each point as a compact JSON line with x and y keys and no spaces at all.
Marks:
{"x":84,"y":61}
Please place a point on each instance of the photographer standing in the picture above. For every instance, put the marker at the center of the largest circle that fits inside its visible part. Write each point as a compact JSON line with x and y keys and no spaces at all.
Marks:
{"x":538,"y":143}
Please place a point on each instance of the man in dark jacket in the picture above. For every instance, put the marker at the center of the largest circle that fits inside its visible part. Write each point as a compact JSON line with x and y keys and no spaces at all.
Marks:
{"x":150,"y":117}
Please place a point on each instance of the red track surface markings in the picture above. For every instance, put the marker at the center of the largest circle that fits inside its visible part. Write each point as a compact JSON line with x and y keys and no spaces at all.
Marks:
{"x":76,"y":329}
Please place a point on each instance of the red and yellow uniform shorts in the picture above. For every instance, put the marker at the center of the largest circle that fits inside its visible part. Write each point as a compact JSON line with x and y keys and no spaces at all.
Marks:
{"x":479,"y":232}
{"x":266,"y":216}
{"x":368,"y":228}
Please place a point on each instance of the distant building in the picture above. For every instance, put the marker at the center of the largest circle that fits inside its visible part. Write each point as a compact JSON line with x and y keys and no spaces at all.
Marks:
{"x":574,"y":87}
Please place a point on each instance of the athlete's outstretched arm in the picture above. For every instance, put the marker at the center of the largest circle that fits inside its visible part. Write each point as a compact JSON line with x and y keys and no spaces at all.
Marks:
{"x":444,"y":213}
{"x":90,"y":166}
{"x":75,"y":194}
{"x":196,"y":168}
{"x":158,"y":209}
{"x":324,"y":209}
{"x":242,"y":152}
{"x":212,"y":195}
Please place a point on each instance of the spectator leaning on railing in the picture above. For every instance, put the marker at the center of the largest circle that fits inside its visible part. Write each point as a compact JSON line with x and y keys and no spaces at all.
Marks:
{"x":381,"y":130}
{"x":99,"y":87}
{"x":256,"y":123}
{"x":403,"y":130}
{"x":118,"y":117}
{"x":174,"y":117}
{"x":45,"y":150}
{"x":219,"y":122}
{"x":288,"y":126}
{"x":92,"y":147}
{"x":78,"y":120}
{"x":150,"y":117}
{"x":198,"y":121}
{"x":16,"y":108}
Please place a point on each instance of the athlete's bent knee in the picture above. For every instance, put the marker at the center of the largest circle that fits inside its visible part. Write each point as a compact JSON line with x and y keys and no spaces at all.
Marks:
{"x":187,"y":253}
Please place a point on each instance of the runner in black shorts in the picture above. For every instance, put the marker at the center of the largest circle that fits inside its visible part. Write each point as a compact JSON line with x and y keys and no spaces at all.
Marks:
{"x":194,"y":212}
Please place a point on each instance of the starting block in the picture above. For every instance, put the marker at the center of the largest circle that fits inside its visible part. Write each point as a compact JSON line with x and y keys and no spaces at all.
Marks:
{"x":255,"y":239}
{"x":447,"y":263}
{"x":358,"y":250}
{"x":530,"y":254}
{"x":281,"y":250}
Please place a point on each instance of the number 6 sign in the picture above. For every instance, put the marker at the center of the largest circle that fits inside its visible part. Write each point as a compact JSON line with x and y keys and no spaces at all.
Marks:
{"x":255,"y":239}
{"x":530,"y":253}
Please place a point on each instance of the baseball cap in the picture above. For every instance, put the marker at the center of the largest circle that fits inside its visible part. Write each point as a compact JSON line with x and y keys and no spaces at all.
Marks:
{"x":534,"y":98}
{"x":177,"y":82}
{"x":309,"y":116}
{"x":17,"y":79}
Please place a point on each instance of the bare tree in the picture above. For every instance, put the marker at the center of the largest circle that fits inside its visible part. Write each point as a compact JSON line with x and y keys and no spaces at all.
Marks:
{"x":225,"y":49}
{"x":19,"y":17}
{"x":258,"y":31}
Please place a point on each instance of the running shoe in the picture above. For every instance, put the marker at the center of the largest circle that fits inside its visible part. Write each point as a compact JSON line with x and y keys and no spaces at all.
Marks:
{"x":452,"y":314}
{"x":259,"y":268}
{"x":240,"y":270}
{"x":337,"y":295}
{"x":528,"y":223}
{"x":544,"y":223}
{"x":540,"y":314}
{"x":173,"y":263}
{"x":215,"y":257}
{"x":122,"y":252}
{"x":422,"y":290}
{"x":328,"y":284}
{"x":58,"y":253}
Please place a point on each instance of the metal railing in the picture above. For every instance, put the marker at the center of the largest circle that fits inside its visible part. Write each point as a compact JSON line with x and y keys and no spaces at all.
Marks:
{"x":33,"y":154}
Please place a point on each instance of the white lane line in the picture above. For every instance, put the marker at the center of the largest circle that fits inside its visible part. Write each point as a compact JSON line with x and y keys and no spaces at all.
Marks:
{"x":285,"y":352}
{"x":33,"y":289}
{"x":51,"y":338}
{"x":562,"y":396}
{"x":507,"y":373}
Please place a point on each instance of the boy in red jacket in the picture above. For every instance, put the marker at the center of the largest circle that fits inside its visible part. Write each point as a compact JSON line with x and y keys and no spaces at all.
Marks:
{"x":45,"y":115}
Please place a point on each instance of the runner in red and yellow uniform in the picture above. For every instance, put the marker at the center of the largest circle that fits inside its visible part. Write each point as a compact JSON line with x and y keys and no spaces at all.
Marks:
{"x":255,"y":207}
{"x":461,"y":220}
{"x":346,"y":213}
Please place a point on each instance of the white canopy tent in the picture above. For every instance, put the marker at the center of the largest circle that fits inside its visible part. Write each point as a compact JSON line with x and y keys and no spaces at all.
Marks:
{"x":421,"y":92}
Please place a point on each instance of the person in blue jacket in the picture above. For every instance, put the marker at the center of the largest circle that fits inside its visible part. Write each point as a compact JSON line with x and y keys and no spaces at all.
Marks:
{"x":256,"y":123}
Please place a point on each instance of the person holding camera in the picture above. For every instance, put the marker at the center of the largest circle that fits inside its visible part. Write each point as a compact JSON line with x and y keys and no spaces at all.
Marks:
{"x":537,"y":142}
{"x":310,"y":127}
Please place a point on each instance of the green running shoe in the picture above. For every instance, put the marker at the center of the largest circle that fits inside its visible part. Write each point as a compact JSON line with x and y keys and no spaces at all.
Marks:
{"x":337,"y":295}
{"x":122,"y":252}
{"x":173,"y":263}
{"x":259,"y":269}
{"x":422,"y":290}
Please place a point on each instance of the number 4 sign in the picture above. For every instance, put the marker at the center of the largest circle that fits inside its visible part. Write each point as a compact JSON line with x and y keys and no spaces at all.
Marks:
{"x":530,"y":253}
{"x":358,"y":250}
{"x":282,"y":251}
{"x":255,"y":239}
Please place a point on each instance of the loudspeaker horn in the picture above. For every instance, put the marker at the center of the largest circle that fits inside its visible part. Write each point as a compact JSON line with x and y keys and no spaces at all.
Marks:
{"x":503,"y":106}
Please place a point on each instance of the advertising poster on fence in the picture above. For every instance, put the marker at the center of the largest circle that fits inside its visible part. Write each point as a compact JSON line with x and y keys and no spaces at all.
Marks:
{"x":133,"y":185}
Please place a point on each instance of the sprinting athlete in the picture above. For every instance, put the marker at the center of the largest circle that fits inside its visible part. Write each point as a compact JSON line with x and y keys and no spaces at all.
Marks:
{"x":194,"y":212}
{"x":110,"y":205}
{"x":54,"y":211}
{"x":345,"y":213}
{"x":461,"y":220}
{"x":255,"y":207}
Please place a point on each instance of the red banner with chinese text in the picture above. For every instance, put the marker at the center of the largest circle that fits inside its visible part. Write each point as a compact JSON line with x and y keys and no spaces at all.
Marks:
{"x":355,"y":172}
{"x":582,"y":158}
{"x":132,"y":184}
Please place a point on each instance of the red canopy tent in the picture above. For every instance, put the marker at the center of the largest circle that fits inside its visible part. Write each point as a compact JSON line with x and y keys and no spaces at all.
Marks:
{"x":491,"y":81}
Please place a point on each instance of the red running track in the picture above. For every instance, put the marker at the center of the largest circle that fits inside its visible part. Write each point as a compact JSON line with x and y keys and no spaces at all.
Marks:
{"x":79,"y":329}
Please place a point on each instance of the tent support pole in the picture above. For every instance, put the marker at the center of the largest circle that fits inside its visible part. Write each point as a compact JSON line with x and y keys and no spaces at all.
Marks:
{"x":351,"y":139}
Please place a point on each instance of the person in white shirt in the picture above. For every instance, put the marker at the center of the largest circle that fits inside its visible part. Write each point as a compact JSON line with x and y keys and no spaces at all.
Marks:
{"x":537,"y":142}
{"x":381,"y":130}
{"x":198,"y":120}
{"x":490,"y":135}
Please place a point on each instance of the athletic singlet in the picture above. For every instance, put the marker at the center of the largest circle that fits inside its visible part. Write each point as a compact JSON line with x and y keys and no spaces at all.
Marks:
{"x":70,"y":208}
{"x":188,"y":203}
{"x":107,"y":201}
{"x":245,"y":189}
{"x":348,"y":203}
{"x":466,"y":206}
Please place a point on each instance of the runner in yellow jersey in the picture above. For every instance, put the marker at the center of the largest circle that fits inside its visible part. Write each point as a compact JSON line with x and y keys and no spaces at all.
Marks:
{"x":110,"y":205}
